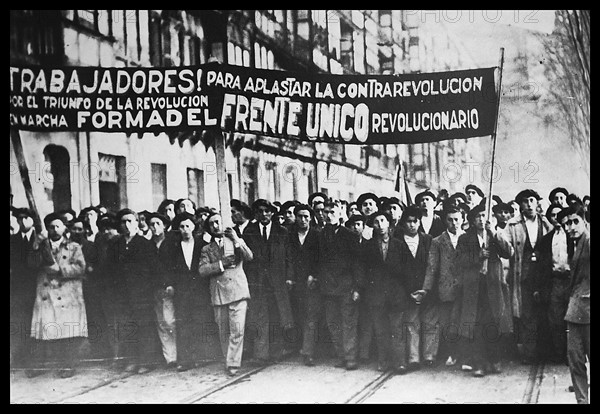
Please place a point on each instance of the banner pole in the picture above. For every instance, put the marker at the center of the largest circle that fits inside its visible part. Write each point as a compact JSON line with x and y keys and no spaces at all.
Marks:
{"x":488,"y":204}
{"x":222,"y":182}
{"x":15,"y":137}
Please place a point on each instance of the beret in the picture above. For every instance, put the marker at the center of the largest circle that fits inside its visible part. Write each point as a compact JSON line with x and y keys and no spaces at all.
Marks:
{"x":526,"y":194}
{"x":366,"y":196}
{"x":474,"y":187}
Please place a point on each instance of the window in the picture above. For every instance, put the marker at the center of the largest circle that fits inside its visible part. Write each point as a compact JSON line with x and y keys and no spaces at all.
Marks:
{"x":347,"y":46}
{"x":195,"y":179}
{"x":112,"y":181}
{"x":250,"y":179}
{"x":57,"y":180}
{"x":159,"y":183}
{"x":36,"y":33}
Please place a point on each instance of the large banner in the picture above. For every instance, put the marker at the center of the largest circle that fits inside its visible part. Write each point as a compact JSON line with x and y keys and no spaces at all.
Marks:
{"x":352,"y":109}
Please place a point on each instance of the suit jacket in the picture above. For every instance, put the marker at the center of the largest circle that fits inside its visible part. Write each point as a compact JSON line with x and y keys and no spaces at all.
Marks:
{"x":437,"y":227}
{"x":339,"y":262}
{"x":467,"y":268}
{"x":516,"y":233}
{"x":384,"y":285}
{"x":23,"y":277}
{"x":226,"y":286}
{"x":267,"y":272}
{"x":440,"y":280}
{"x":579,"y":302}
{"x":412,"y":268}
{"x":131,"y":269}
{"x":303,"y":258}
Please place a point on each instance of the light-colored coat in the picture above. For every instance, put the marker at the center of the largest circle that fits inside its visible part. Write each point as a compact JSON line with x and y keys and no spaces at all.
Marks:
{"x":59,"y":309}
{"x":516,"y":233}
{"x":579,"y":301}
{"x":439,"y":276}
{"x":228,"y":286}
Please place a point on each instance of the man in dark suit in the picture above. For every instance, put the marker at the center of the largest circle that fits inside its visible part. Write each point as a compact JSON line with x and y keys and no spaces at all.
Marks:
{"x":241,"y":214}
{"x":270,"y":312}
{"x":302,"y":273}
{"x":441,"y":284}
{"x":340,"y":280}
{"x":197,"y":331}
{"x":23,"y":282}
{"x":229,"y":292}
{"x":131,"y":263}
{"x":551,"y":288}
{"x":385,"y":292}
{"x":578,"y":312}
{"x":431,"y":223}
{"x":420,"y":314}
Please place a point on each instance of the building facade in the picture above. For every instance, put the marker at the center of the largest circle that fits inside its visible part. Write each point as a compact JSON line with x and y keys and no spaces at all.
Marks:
{"x":78,"y":169}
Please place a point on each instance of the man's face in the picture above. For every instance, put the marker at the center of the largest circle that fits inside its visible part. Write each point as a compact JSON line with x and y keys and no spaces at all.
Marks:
{"x":472,"y":196}
{"x":332,"y":215}
{"x":381,"y":225}
{"x":352,"y":210}
{"x":560,"y":198}
{"x":215,"y":226}
{"x":264,"y":215}
{"x":91,"y":217}
{"x":319,"y":212}
{"x":317,"y":200}
{"x":411,"y":225}
{"x":77,"y":231}
{"x":529,"y":206}
{"x":129,"y":225}
{"x":427,"y":203}
{"x":303,"y":219}
{"x":170,"y":211}
{"x":369,"y":206}
{"x":157,"y":226}
{"x":289,"y":215}
{"x":187,"y":206}
{"x":237,"y":216}
{"x":503,"y":216}
{"x":479,"y":220}
{"x":395,"y":211}
{"x":142,"y":223}
{"x":56,"y":228}
{"x":357,"y":227}
{"x":25,"y":223}
{"x":552,"y":216}
{"x":574,"y":225}
{"x":454,"y":221}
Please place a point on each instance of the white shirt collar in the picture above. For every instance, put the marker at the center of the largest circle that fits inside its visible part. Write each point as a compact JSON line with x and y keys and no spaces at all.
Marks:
{"x":56,"y":244}
{"x":28,"y":234}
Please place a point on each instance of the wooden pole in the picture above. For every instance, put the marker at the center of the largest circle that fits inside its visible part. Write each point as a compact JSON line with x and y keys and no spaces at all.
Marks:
{"x":222,"y":182}
{"x":488,"y":204}
{"x":15,"y":138}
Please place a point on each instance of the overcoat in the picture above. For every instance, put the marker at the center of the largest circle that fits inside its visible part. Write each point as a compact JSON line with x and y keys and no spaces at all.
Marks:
{"x":59,"y":308}
{"x":467,"y":268}
{"x":517,"y":236}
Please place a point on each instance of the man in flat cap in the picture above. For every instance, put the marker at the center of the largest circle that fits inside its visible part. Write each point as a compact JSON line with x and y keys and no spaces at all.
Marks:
{"x":431,"y":223}
{"x":131,"y":280}
{"x":474,"y":195}
{"x":559,"y":196}
{"x":367,"y":205}
{"x":270,"y":313}
{"x":524,"y":235}
{"x":164,"y":307}
{"x":59,"y":298}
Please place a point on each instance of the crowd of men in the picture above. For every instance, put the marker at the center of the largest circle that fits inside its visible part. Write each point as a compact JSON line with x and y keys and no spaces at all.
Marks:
{"x":408,"y":285}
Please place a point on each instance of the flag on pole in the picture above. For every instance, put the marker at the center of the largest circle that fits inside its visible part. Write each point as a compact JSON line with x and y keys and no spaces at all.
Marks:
{"x":402,"y":186}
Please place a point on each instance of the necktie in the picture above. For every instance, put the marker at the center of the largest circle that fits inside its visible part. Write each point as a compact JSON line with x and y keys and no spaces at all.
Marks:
{"x":265,"y":233}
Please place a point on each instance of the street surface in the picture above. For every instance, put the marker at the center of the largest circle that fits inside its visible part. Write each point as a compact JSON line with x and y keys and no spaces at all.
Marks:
{"x":291,"y":382}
